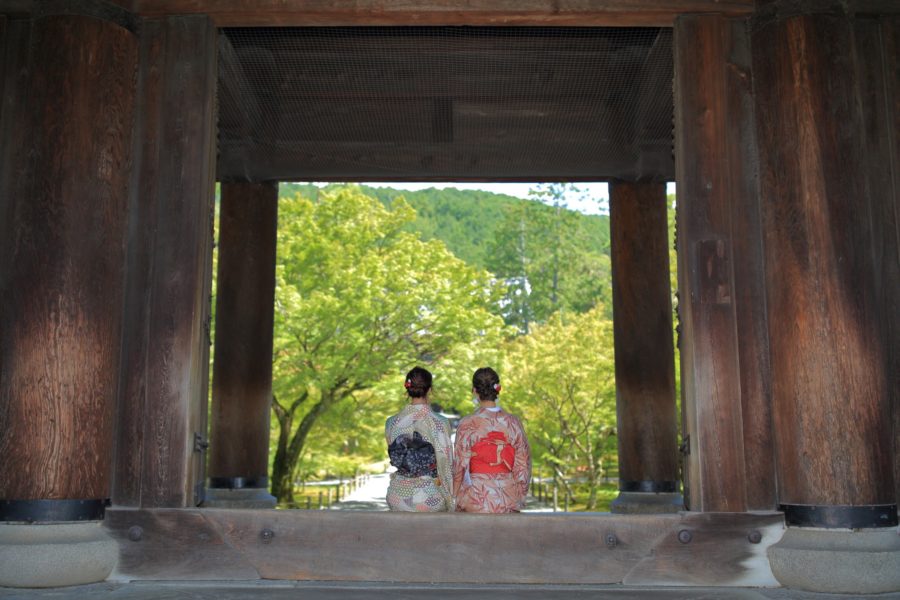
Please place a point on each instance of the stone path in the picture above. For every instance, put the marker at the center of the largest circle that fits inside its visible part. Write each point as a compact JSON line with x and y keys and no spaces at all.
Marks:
{"x":370,"y":496}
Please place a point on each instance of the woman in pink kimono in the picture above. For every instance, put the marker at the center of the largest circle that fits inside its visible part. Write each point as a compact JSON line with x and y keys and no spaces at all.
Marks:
{"x":492,"y":470}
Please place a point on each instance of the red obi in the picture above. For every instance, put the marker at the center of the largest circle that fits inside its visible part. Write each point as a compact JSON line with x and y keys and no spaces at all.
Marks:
{"x":492,"y":454}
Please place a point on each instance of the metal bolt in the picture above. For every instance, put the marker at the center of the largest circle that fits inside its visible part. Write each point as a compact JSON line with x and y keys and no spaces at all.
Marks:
{"x":266,"y":535}
{"x":754,"y":536}
{"x":611,"y":540}
{"x":135,"y":533}
{"x":685,"y":536}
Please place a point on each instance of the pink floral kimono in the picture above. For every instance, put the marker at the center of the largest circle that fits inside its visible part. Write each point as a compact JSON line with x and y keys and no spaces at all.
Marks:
{"x":492,"y":470}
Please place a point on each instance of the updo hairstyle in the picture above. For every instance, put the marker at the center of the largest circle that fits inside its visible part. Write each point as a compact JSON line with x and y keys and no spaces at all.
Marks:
{"x":486,"y":383}
{"x":418,"y":382}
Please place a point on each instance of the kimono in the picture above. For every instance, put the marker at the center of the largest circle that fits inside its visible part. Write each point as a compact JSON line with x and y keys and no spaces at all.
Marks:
{"x":409,"y":434}
{"x":492,"y":471}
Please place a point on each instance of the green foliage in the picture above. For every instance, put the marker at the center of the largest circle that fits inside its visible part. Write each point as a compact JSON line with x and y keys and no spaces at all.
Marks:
{"x":358,"y":300}
{"x":561,"y":379}
{"x":467,"y":221}
{"x":549,"y":260}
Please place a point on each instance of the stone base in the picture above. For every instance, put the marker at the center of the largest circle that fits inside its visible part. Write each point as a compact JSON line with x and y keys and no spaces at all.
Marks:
{"x":646,"y":503}
{"x":838,"y":561}
{"x":238,"y":498}
{"x":55,"y":554}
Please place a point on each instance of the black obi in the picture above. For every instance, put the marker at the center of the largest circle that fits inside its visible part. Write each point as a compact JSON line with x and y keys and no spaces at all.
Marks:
{"x":413,"y":456}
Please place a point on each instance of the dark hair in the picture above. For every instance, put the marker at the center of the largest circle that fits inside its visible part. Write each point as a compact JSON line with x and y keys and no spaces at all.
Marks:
{"x":486,"y":383}
{"x":418,"y":382}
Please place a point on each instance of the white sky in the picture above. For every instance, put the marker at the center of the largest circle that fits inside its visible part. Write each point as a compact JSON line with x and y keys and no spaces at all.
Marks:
{"x":593,"y":198}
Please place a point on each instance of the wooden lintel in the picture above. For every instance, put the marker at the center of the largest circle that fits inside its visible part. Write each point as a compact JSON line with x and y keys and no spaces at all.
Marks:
{"x":589,"y":13}
{"x":593,"y":13}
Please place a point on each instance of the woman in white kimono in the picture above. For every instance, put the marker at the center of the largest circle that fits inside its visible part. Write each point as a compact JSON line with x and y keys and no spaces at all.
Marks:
{"x":419,"y":446}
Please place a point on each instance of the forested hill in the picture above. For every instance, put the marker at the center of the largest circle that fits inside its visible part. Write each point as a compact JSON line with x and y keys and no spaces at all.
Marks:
{"x":466,"y":220}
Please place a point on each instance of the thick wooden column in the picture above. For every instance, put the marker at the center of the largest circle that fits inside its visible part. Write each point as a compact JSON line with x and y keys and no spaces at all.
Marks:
{"x":67,"y":116}
{"x":165,"y":346}
{"x":877,"y":55}
{"x":823,"y":223}
{"x":724,"y":352}
{"x":642,"y":325}
{"x":242,"y":368}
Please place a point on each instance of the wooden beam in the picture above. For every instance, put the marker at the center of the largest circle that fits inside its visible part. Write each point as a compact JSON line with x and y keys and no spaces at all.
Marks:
{"x":430,"y":162}
{"x":572,"y":549}
{"x":577,"y":13}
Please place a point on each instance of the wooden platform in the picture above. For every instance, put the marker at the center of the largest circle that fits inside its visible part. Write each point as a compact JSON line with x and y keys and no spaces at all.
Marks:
{"x":684,"y":549}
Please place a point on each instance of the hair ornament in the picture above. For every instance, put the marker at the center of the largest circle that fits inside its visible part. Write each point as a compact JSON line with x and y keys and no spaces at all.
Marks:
{"x":497,"y":387}
{"x":407,"y":384}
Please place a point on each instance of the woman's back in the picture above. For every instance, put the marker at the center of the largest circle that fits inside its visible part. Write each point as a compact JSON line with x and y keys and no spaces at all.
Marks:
{"x":415,"y":435}
{"x":493,"y":462}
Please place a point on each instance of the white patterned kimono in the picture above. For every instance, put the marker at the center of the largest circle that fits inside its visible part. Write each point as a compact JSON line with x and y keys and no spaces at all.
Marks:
{"x":425,"y":493}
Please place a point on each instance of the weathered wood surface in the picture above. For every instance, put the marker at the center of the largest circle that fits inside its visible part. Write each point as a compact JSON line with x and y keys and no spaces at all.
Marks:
{"x":831,"y":408}
{"x":164,"y":383}
{"x":708,"y":50}
{"x":133,"y":390}
{"x":644,"y":349}
{"x":748,"y":270}
{"x":878,"y":65}
{"x":245,"y":298}
{"x":652,"y":136}
{"x":890,"y":34}
{"x":174,"y":544}
{"x":622,"y":13}
{"x":719,"y":551}
{"x":350,"y":546}
{"x":301,"y":103}
{"x":62,"y":281}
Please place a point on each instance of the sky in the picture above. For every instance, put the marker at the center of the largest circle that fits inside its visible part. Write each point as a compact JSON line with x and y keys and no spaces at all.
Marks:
{"x":593,"y":197}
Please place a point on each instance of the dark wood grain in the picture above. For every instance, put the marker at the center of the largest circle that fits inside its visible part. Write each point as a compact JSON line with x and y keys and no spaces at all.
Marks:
{"x":748,"y":270}
{"x":718,"y":552}
{"x":879,"y":84}
{"x":476,"y":160}
{"x":622,"y":13}
{"x":523,"y":548}
{"x":890,"y":35}
{"x":642,"y":324}
{"x":382,"y":105}
{"x":245,"y":297}
{"x":142,"y":215}
{"x":178,"y":186}
{"x":542,"y":549}
{"x":652,"y":137}
{"x":174,"y":544}
{"x":62,"y":285}
{"x":830,"y":402}
{"x":705,"y":53}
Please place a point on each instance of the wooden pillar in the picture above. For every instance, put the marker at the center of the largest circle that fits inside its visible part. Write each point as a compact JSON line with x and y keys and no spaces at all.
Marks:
{"x":877,"y":59}
{"x":67,"y":116}
{"x":242,"y":368}
{"x":724,"y":351}
{"x":644,"y":350}
{"x":165,"y":346}
{"x":830,"y":390}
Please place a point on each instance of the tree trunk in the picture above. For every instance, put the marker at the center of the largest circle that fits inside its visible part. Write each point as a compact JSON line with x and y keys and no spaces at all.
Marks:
{"x":288,"y":453}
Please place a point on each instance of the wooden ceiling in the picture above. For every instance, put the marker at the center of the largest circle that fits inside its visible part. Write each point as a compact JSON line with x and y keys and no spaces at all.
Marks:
{"x":445,"y":103}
